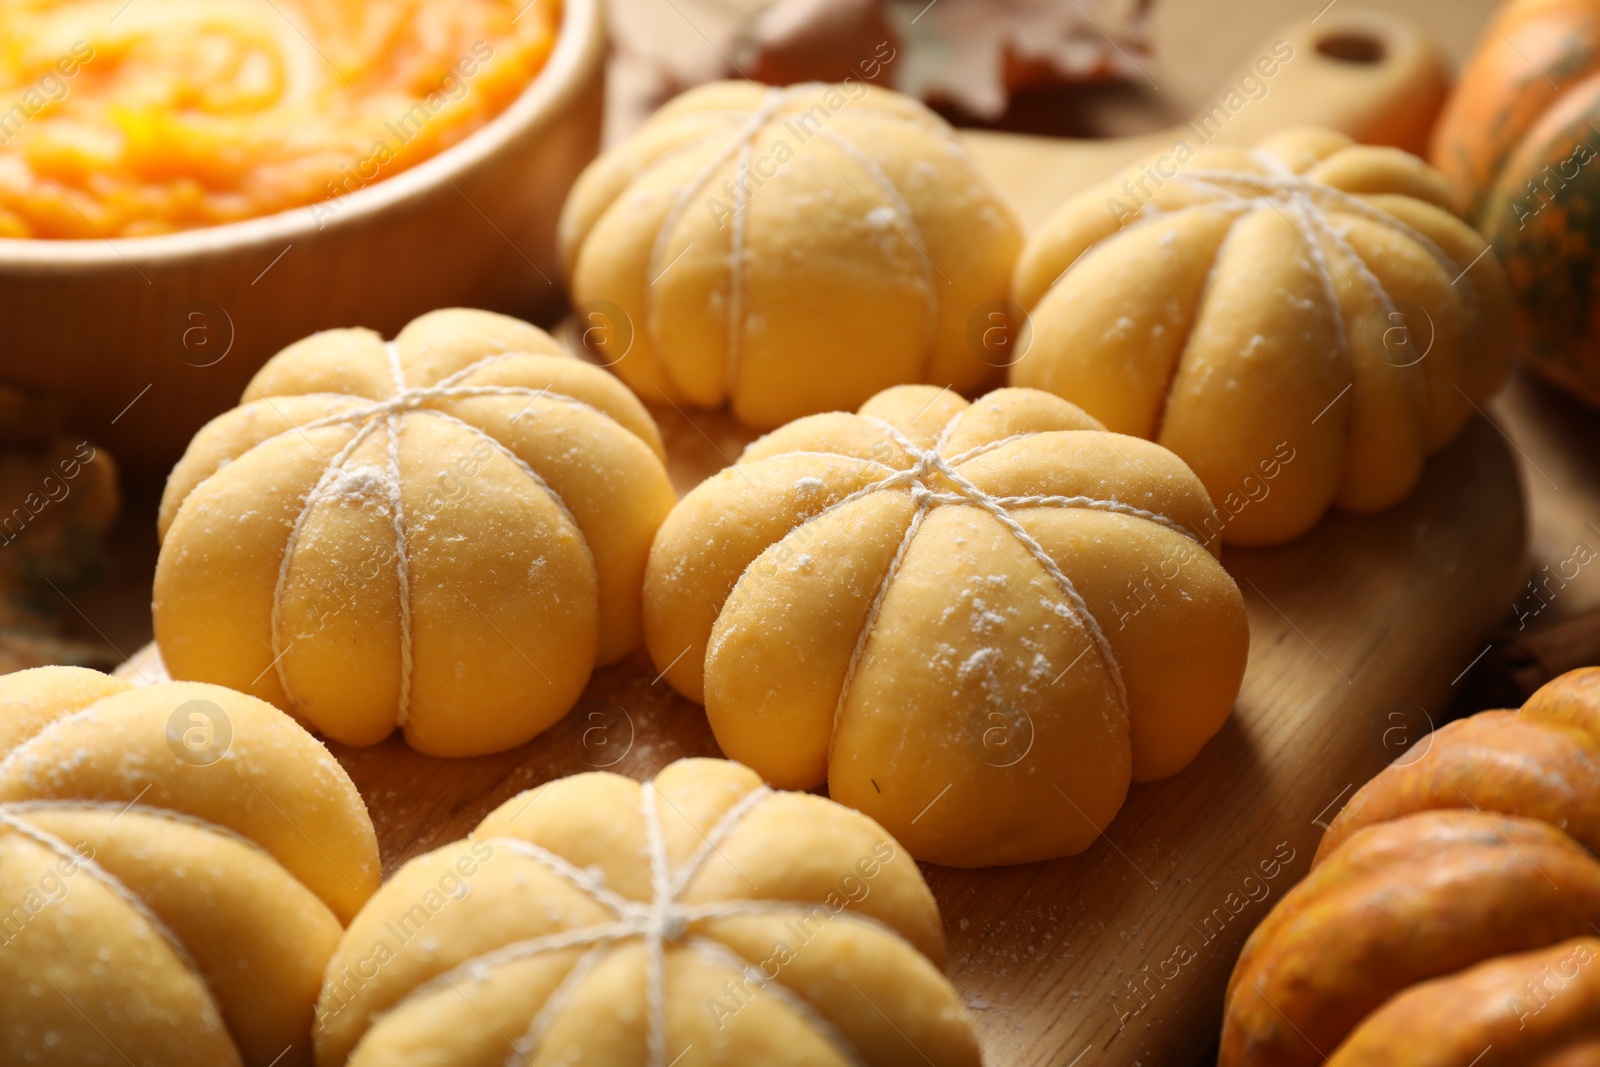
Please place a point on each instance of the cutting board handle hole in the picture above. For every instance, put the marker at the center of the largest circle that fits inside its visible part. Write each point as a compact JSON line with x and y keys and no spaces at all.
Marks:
{"x":1352,"y":48}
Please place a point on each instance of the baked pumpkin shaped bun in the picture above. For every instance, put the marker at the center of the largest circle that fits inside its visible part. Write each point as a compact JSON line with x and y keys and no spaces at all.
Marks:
{"x":1303,"y":322}
{"x":176,"y":864}
{"x":977,"y":623}
{"x":698,"y":919}
{"x":787,"y":251}
{"x":443,"y":533}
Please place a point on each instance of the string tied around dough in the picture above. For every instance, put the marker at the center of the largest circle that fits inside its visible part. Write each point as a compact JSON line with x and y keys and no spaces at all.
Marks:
{"x":929,"y":464}
{"x":1310,"y":202}
{"x":13,"y":818}
{"x":385,"y":414}
{"x":737,"y":147}
{"x":663,"y":920}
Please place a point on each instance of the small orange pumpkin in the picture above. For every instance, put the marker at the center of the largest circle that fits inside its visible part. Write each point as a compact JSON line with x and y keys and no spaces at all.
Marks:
{"x":1519,"y":141}
{"x":1450,"y":913}
{"x":1543,"y":1000}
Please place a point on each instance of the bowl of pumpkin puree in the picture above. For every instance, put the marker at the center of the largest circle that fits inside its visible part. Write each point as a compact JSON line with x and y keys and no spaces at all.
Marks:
{"x":188,"y":185}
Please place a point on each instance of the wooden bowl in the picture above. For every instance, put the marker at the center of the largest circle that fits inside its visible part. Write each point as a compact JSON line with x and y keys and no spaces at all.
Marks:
{"x":141,"y":340}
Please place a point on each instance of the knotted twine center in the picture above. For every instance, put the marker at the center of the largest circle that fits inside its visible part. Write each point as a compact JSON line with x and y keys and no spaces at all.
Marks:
{"x":1308,"y":206}
{"x":933,"y":479}
{"x":663,"y":920}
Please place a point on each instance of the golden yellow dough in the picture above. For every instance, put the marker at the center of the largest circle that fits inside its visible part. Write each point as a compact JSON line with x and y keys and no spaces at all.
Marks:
{"x":167,"y":897}
{"x":446,"y":533}
{"x":788,"y":251}
{"x":1303,"y":323}
{"x":976,"y":623}
{"x":700,"y":920}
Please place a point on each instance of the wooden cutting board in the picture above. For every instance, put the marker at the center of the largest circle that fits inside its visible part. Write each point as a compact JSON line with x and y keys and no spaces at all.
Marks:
{"x":1371,"y":74}
{"x":1359,"y":632}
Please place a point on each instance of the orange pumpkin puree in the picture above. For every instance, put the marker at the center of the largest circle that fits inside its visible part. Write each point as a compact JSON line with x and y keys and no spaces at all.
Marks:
{"x":120,"y":118}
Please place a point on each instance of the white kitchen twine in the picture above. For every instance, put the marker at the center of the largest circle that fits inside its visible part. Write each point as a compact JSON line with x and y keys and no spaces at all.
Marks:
{"x":931,"y":461}
{"x":739,"y":149}
{"x":13,"y":817}
{"x":1308,"y":202}
{"x":912,"y":233}
{"x":661,"y":921}
{"x":387,"y":413}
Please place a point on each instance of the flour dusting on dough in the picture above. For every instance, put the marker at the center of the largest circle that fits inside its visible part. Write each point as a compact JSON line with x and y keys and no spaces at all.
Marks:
{"x":358,"y":485}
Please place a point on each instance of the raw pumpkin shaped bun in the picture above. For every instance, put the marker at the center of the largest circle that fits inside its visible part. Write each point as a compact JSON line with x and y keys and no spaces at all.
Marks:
{"x":1304,"y":322}
{"x":444,"y":533}
{"x":976,"y":623}
{"x":176,"y":863}
{"x":787,"y":251}
{"x":700,"y":919}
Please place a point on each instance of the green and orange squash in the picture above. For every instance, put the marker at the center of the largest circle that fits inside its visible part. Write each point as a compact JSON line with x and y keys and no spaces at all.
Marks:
{"x":1519,"y":141}
{"x":1452,"y":914}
